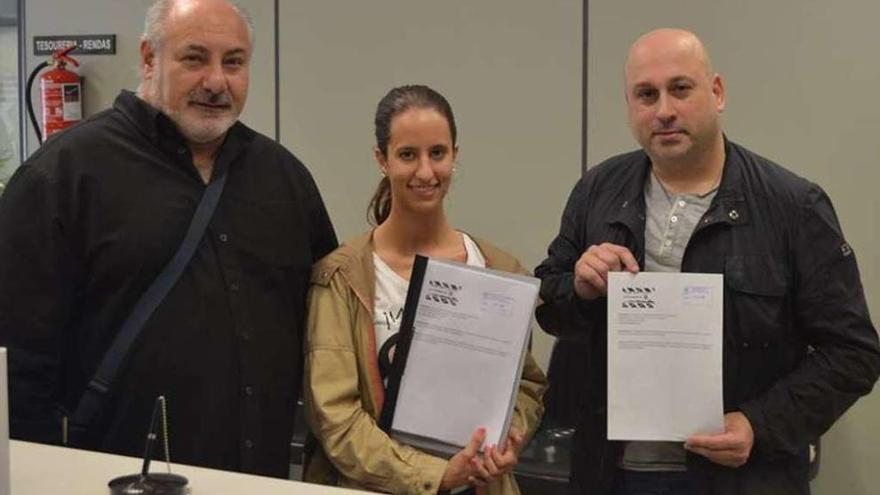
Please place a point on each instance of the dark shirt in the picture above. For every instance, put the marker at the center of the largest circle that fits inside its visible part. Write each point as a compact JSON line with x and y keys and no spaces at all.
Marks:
{"x":88,"y":222}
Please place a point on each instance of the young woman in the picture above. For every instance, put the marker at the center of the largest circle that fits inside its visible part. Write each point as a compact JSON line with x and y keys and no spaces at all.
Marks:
{"x":356,"y":300}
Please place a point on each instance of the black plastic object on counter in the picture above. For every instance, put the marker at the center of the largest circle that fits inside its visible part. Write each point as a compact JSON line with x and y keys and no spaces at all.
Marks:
{"x":147,"y":483}
{"x":151,"y":484}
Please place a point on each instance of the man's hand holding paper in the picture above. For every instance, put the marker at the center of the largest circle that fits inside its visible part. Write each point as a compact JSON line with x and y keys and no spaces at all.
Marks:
{"x":591,"y":270}
{"x":731,"y":448}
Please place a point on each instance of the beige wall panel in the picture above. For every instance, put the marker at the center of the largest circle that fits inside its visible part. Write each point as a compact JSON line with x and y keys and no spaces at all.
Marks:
{"x":511,"y":70}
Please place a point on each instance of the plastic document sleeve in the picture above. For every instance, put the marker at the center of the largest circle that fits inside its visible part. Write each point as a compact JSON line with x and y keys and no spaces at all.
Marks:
{"x":457,"y":366}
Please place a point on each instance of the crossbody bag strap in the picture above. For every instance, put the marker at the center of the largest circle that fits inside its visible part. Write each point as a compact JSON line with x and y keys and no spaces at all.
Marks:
{"x":91,"y":402}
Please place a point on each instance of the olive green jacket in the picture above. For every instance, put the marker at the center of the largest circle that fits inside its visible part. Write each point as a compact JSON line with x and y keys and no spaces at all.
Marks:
{"x":343,"y":390}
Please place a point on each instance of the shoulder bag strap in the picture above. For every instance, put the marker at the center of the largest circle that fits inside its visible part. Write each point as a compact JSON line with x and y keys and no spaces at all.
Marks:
{"x":91,"y":402}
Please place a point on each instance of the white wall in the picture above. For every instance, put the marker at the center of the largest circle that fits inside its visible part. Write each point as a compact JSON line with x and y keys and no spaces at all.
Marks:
{"x":800,"y":78}
{"x":510,"y":69}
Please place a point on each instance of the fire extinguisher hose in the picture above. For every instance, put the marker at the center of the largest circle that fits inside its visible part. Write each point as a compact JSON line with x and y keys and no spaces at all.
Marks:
{"x":30,"y":104}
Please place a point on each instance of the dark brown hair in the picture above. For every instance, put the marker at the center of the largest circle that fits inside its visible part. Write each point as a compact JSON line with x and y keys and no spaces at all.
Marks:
{"x":397,"y":101}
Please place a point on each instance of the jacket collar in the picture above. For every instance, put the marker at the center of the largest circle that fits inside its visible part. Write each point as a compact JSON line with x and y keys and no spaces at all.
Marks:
{"x":162,"y":132}
{"x":728,"y":206}
{"x":358,"y":269}
{"x":354,"y":260}
{"x":149,"y":120}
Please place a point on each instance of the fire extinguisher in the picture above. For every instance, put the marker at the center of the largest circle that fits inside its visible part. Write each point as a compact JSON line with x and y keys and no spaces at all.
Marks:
{"x":61,"y":95}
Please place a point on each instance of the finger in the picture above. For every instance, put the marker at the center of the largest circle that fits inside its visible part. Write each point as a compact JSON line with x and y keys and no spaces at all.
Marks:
{"x":713,"y":442}
{"x":593,"y":283}
{"x":506,"y":461}
{"x":609,"y":257}
{"x":514,"y":441}
{"x":477,"y":439}
{"x":628,"y":261}
{"x":592,"y":271}
{"x":479,"y":469}
{"x":489,"y":456}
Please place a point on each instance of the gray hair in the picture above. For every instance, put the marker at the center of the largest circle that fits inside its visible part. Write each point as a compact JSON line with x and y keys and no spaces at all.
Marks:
{"x":154,"y":22}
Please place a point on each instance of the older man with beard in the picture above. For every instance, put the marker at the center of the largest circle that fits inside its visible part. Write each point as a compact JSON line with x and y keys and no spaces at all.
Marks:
{"x":91,"y":219}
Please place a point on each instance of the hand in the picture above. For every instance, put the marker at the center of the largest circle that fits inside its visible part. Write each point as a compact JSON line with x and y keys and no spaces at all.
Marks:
{"x":501,"y":461}
{"x":466,"y":467}
{"x":591,"y":270}
{"x":731,"y":448}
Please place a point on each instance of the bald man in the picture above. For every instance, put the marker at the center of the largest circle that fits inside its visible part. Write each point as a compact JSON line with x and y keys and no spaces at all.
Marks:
{"x":91,"y":219}
{"x":799,"y":345}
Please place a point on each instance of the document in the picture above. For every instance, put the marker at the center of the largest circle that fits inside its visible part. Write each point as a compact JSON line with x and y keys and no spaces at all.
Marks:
{"x":458,"y":363}
{"x":664,"y":355}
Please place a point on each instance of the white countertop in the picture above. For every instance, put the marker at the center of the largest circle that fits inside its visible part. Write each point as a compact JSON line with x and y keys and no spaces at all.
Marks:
{"x":38,"y":469}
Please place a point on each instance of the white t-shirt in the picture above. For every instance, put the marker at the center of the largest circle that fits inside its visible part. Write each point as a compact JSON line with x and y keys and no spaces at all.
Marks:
{"x":391,"y":295}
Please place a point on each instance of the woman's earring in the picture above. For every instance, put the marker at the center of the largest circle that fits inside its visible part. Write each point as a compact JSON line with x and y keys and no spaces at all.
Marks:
{"x":454,"y":169}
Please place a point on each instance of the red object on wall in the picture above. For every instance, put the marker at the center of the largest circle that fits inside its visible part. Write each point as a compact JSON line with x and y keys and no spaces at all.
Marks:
{"x":61,"y":93}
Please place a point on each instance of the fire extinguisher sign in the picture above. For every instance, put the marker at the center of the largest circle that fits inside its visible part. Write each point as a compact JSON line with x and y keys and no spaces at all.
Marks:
{"x":86,"y":44}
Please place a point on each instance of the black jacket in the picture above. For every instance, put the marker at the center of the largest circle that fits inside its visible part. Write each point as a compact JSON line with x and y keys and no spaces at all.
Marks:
{"x":88,"y":222}
{"x":799,"y":345}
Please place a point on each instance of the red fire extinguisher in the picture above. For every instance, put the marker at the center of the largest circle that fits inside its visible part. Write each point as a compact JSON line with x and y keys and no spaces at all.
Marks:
{"x":61,"y":95}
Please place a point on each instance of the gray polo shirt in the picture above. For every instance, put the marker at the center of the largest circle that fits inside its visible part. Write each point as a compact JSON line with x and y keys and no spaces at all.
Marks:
{"x":670,"y":220}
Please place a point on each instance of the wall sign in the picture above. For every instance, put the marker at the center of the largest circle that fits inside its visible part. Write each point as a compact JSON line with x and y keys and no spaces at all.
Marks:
{"x":87,"y":44}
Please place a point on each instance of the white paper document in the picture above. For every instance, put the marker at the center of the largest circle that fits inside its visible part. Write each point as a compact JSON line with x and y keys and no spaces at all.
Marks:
{"x":470,"y":331}
{"x":664,"y":355}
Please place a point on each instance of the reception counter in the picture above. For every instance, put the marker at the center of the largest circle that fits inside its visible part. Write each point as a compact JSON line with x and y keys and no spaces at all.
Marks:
{"x":47,"y":470}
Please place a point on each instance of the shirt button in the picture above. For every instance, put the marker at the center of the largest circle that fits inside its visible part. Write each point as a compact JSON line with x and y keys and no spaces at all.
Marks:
{"x":668,"y":242}
{"x":181,"y":150}
{"x":248,"y":390}
{"x":248,"y":444}
{"x":682,"y":204}
{"x":673,"y":219}
{"x":224,"y":237}
{"x":427,"y":486}
{"x":233,"y":287}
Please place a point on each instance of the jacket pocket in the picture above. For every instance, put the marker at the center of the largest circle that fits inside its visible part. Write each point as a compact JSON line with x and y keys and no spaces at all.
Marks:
{"x":755,"y":321}
{"x":755,"y":274}
{"x":756,"y":287}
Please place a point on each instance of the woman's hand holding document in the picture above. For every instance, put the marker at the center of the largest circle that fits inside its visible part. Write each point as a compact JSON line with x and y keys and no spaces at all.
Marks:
{"x":467,"y":467}
{"x":664,"y":356}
